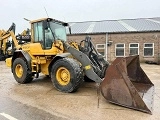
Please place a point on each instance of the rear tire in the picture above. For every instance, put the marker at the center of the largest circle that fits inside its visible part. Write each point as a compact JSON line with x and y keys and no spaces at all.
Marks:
{"x":21,"y":72}
{"x":2,"y":57}
{"x":66,"y":75}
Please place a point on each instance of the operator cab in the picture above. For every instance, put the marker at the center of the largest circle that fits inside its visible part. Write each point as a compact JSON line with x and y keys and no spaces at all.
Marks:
{"x":47,"y":30}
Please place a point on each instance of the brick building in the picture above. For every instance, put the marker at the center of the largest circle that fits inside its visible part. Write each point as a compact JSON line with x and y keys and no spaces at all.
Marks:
{"x":118,"y":38}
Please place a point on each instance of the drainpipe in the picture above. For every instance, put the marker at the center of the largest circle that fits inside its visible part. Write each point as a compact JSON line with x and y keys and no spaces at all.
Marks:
{"x":106,"y":47}
{"x":158,"y":49}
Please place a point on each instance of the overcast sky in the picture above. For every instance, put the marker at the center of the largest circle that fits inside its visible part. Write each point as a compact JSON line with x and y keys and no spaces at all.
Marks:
{"x":74,"y":10}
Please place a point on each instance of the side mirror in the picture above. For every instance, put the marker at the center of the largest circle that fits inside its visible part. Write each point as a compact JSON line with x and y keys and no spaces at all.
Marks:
{"x":69,"y":29}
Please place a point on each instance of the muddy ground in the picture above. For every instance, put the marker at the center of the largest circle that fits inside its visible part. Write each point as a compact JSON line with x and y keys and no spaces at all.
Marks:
{"x":85,"y":104}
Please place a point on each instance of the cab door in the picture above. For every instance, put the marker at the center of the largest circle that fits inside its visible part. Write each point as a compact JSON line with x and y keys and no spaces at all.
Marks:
{"x":38,"y":42}
{"x":43,"y":38}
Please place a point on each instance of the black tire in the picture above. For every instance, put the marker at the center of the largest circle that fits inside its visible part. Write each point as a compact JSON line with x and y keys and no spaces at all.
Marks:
{"x":26,"y":76}
{"x":75,"y":73}
{"x":2,"y":57}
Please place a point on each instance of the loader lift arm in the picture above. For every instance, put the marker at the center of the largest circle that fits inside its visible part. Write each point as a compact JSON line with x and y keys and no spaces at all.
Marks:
{"x":5,"y":43}
{"x":92,"y":62}
{"x":98,"y":62}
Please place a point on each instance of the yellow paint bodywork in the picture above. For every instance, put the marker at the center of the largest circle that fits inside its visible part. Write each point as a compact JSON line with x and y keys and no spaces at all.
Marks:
{"x":37,"y":49}
{"x":41,"y":58}
{"x":44,"y":67}
{"x":4,"y":38}
{"x":88,"y":67}
{"x":9,"y":62}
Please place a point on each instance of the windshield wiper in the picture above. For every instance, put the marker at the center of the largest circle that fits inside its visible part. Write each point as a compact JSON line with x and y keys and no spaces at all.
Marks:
{"x":52,"y":32}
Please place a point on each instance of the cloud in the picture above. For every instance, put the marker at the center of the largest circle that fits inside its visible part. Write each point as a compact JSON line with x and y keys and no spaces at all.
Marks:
{"x":74,"y":10}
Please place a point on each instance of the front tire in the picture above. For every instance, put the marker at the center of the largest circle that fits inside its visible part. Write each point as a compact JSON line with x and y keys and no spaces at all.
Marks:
{"x":66,"y":75}
{"x":21,"y":72}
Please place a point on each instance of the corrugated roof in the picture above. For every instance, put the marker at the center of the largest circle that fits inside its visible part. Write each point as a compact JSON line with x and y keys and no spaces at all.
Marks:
{"x":108,"y":26}
{"x":113,"y":26}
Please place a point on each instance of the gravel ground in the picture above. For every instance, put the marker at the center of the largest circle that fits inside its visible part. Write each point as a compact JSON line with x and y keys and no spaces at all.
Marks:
{"x":85,"y":104}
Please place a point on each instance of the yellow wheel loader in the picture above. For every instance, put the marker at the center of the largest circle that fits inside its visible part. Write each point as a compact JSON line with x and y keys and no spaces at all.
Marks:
{"x":7,"y":46}
{"x":123,"y":82}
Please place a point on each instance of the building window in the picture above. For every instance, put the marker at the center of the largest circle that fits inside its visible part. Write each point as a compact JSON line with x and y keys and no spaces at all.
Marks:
{"x":134,"y":48}
{"x":148,"y":49}
{"x":120,"y":47}
{"x":101,"y":49}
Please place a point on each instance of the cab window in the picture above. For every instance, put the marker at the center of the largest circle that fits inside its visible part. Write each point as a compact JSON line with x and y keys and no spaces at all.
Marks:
{"x":38,"y":32}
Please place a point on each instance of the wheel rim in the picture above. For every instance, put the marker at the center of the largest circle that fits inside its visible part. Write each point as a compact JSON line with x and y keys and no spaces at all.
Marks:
{"x":19,"y":70}
{"x":63,"y":76}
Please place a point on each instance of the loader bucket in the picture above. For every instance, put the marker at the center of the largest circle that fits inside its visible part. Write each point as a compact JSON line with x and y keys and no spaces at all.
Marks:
{"x":126,"y":84}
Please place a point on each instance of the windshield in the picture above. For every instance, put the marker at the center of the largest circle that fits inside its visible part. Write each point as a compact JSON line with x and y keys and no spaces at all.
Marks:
{"x":58,"y":31}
